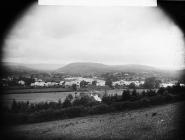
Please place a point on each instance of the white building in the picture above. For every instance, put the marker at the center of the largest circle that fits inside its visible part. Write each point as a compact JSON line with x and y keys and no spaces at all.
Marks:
{"x":21,"y":82}
{"x":182,"y":85}
{"x":61,"y":83}
{"x":100,"y":83}
{"x":39,"y":84}
{"x":167,"y":84}
{"x":96,"y":98}
{"x":126,"y":83}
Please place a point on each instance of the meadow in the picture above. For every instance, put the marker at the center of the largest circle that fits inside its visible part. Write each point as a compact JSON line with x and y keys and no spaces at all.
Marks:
{"x":24,"y":90}
{"x":35,"y":96}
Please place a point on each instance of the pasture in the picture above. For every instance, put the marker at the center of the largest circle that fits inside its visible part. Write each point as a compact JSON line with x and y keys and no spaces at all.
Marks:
{"x":52,"y":96}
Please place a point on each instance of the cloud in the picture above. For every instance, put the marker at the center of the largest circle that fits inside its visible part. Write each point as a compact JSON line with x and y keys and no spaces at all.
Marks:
{"x":111,"y":35}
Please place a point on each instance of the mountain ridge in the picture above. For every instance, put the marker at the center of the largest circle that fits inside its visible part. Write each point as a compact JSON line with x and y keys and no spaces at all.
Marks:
{"x":89,"y":67}
{"x":86,"y":68}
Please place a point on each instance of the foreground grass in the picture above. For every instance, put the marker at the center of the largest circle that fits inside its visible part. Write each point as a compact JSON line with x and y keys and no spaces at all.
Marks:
{"x":160,"y":122}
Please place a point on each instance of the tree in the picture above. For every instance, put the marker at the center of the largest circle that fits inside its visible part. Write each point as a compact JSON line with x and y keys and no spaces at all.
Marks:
{"x":134,"y":93}
{"x":94,"y":83}
{"x":161,"y":91}
{"x":28,"y":81}
{"x":74,"y":87}
{"x":70,"y":97}
{"x":67,"y":101}
{"x":132,"y":85}
{"x":106,"y":99}
{"x":117,"y":86}
{"x":85,"y":101}
{"x":157,"y":83}
{"x":151,"y":83}
{"x":108,"y":82}
{"x":83,"y":84}
{"x":126,"y":95}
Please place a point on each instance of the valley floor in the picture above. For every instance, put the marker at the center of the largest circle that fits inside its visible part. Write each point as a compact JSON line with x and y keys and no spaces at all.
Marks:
{"x":159,"y":122}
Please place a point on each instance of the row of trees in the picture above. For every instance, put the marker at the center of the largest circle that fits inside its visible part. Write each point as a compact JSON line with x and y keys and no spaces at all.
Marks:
{"x":86,"y":100}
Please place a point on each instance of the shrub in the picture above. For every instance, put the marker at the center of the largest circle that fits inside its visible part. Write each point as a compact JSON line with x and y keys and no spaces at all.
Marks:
{"x":145,"y":101}
{"x":161,"y":91}
{"x":99,"y":109}
{"x":126,"y":95}
{"x":106,"y":99}
{"x":122,"y":105}
{"x":85,"y":101}
{"x":157,"y":100}
{"x":134,"y":93}
{"x":67,"y":103}
{"x":74,"y":111}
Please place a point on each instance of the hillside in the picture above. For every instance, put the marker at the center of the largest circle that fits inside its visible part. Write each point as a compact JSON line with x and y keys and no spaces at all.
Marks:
{"x":158,"y":122}
{"x":98,"y":68}
{"x":85,"y":69}
{"x":19,"y":69}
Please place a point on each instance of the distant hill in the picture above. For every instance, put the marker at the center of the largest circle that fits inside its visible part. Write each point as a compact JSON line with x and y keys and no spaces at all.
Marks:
{"x":36,"y":66}
{"x":43,"y":66}
{"x":92,"y":68}
{"x":19,"y":69}
{"x":86,"y":69}
{"x":83,"y":68}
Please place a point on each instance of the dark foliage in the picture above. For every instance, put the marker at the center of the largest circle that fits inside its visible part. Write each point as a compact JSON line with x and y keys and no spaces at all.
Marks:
{"x":151,"y":83}
{"x":25,"y":112}
{"x":83,"y":84}
{"x":85,"y":101}
{"x":108,"y":82}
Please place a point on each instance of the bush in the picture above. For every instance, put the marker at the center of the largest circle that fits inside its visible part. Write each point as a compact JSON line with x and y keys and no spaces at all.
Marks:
{"x":122,"y":105}
{"x":67,"y":103}
{"x":85,"y":101}
{"x":15,"y":118}
{"x":145,"y":101}
{"x":161,"y":91}
{"x":157,"y":100}
{"x":76,"y":111}
{"x":99,"y":109}
{"x":107,"y":100}
{"x":126,"y":95}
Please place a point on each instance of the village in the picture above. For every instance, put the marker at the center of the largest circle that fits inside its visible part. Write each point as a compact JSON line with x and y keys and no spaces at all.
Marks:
{"x":81,"y":82}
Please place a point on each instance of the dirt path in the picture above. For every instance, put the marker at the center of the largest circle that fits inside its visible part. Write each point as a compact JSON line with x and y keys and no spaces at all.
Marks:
{"x":149,"y":123}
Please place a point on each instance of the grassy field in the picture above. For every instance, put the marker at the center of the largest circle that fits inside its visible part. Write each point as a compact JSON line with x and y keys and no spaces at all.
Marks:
{"x":50,"y":95}
{"x":35,"y":97}
{"x":36,"y":90}
{"x":50,"y":90}
{"x":158,"y":123}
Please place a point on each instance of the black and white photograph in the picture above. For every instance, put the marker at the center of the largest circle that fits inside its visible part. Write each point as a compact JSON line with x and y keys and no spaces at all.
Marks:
{"x":92,"y":70}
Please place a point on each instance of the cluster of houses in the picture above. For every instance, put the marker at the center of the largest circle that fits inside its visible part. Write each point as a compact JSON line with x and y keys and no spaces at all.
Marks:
{"x":68,"y":82}
{"x":126,"y":83}
{"x":170,"y":84}
{"x":76,"y":80}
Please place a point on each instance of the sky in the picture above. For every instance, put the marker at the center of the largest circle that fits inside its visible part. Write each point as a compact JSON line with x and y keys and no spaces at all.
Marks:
{"x":108,"y":35}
